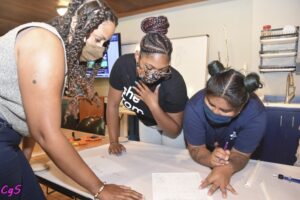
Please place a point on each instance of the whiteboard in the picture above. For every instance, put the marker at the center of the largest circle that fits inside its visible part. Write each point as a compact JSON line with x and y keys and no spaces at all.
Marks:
{"x":189,"y":57}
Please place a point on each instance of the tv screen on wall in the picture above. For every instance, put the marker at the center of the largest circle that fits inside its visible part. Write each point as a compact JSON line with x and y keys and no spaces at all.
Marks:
{"x":109,"y":58}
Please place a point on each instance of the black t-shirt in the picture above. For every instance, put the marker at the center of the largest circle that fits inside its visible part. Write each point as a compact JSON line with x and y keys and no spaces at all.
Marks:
{"x":172,"y":92}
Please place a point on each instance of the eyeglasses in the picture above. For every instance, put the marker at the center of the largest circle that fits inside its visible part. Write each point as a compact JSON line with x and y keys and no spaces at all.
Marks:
{"x":158,"y":73}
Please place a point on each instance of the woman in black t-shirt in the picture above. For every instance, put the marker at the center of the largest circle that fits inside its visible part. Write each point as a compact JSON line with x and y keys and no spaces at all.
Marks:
{"x":147,"y":84}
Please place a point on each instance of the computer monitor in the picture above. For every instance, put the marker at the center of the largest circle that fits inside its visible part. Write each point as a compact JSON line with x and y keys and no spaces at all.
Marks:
{"x":109,"y":58}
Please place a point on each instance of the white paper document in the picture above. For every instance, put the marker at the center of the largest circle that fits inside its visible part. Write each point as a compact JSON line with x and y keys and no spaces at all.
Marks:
{"x":178,"y":186}
{"x":103,"y":166}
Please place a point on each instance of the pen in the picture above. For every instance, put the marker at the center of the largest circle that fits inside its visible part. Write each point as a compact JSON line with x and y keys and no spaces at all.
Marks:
{"x":287,"y":178}
{"x":226,"y":146}
{"x":232,"y":136}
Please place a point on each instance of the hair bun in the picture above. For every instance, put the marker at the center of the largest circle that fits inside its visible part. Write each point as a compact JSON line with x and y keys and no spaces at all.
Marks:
{"x":155,"y":25}
{"x":252,"y":82}
{"x":215,"y":67}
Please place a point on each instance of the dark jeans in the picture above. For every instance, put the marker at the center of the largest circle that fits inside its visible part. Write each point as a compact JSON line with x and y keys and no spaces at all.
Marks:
{"x":17,"y":180}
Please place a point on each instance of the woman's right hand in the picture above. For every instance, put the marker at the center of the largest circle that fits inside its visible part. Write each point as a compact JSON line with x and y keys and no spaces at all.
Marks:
{"x":116,"y":148}
{"x":219,"y":157}
{"x":115,"y":192}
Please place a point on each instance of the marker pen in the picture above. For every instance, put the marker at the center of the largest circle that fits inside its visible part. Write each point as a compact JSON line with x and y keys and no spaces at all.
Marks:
{"x":287,"y":178}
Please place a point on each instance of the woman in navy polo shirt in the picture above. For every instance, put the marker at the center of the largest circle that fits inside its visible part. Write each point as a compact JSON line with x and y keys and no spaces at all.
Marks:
{"x":223,"y":124}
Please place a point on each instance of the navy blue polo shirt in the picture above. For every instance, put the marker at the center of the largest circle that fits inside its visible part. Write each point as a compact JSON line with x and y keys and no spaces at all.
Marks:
{"x":243,"y":133}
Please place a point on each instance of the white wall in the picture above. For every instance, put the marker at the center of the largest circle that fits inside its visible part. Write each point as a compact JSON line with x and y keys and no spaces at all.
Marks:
{"x":242,"y":20}
{"x":277,"y":13}
{"x":203,"y":18}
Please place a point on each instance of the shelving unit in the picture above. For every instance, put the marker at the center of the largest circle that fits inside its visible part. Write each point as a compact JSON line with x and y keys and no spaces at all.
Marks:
{"x":279,"y":50}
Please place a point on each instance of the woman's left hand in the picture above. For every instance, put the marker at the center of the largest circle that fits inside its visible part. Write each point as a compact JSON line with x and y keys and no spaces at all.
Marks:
{"x":145,"y":94}
{"x":219,"y":178}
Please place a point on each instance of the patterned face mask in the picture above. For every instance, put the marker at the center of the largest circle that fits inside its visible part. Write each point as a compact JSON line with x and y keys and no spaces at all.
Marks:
{"x":152,"y":75}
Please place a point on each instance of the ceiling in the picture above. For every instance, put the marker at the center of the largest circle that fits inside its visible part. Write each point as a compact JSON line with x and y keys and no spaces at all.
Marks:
{"x":16,"y":12}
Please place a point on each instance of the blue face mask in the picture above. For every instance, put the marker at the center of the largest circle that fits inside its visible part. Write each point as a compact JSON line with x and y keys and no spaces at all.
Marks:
{"x":216,"y":119}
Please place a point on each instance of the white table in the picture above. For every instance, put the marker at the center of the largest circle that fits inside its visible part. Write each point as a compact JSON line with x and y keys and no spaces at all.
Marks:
{"x":135,"y":169}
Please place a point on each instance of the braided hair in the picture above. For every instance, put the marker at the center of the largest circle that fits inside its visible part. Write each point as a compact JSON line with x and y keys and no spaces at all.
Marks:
{"x":155,"y":40}
{"x":81,"y":19}
{"x":231,"y":84}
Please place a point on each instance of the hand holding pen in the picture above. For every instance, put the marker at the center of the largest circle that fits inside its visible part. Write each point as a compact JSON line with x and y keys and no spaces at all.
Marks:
{"x":220,"y":156}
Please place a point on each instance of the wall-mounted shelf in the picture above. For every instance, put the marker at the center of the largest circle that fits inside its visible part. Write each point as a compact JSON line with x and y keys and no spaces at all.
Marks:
{"x":279,"y":50}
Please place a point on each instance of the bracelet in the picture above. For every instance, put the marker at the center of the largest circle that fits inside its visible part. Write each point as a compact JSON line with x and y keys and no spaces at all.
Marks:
{"x":99,"y":191}
{"x":113,"y":142}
